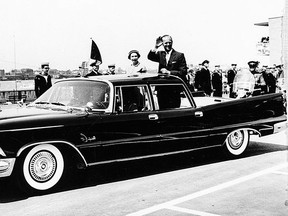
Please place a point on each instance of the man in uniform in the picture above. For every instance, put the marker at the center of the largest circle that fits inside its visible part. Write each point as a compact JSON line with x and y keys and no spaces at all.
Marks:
{"x":43,"y":80}
{"x":94,"y":71}
{"x":217,"y":81}
{"x":260,"y":84}
{"x":203,"y":79}
{"x":230,"y":78}
{"x":111,"y":69}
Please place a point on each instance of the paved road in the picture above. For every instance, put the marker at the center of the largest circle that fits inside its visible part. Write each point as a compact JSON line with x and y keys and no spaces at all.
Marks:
{"x":201,"y":183}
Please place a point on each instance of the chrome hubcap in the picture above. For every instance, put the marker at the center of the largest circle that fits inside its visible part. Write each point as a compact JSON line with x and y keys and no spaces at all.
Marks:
{"x":42,"y":166}
{"x":236,"y":139}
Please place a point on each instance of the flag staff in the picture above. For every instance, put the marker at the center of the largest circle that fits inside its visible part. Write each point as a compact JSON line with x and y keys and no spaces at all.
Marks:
{"x":14,"y":98}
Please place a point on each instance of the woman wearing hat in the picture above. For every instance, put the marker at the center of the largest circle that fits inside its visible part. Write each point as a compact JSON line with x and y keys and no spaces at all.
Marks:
{"x":136,"y":66}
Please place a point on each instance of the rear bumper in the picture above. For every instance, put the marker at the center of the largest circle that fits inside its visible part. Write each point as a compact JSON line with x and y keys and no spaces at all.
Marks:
{"x":278,"y":127}
{"x":6,"y":166}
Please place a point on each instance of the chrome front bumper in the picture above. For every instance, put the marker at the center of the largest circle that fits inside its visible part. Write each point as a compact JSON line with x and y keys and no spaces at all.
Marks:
{"x":6,"y":166}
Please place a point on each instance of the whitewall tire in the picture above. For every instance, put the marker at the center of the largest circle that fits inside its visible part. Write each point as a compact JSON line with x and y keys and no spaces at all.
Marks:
{"x":43,"y":167}
{"x":237,"y":142}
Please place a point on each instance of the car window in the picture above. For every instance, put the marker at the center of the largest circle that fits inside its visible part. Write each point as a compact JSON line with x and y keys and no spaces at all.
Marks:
{"x":132,"y":99}
{"x":78,"y":94}
{"x":170,"y":97}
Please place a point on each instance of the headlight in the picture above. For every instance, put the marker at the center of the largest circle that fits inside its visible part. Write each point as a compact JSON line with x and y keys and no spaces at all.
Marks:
{"x":6,"y":166}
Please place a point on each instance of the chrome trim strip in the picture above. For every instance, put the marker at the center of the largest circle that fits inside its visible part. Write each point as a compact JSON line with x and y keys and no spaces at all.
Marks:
{"x":33,"y":128}
{"x":151,"y":156}
{"x":244,"y":126}
{"x":134,"y":141}
{"x":268,"y":127}
{"x":52,"y":142}
{"x":146,"y":139}
{"x":171,"y":136}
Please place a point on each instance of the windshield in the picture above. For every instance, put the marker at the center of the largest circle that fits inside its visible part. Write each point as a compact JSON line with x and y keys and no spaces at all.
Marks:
{"x":77,"y":93}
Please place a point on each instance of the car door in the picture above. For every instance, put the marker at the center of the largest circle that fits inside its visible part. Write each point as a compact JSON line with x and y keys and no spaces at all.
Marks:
{"x":130,"y":131}
{"x":182,"y":125}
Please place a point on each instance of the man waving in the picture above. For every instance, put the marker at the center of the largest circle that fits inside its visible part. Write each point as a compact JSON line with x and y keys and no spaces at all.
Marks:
{"x":170,"y":61}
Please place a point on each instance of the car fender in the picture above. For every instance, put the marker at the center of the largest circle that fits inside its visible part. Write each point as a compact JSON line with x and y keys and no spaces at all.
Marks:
{"x":251,"y":131}
{"x":53,"y":142}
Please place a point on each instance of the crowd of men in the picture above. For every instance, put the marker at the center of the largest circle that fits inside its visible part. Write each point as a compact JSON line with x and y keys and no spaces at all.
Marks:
{"x":218,"y":82}
{"x":171,"y":62}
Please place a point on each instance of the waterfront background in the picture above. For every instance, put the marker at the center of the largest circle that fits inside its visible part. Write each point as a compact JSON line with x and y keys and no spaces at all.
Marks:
{"x":18,"y":85}
{"x":13,"y":91}
{"x":12,"y":85}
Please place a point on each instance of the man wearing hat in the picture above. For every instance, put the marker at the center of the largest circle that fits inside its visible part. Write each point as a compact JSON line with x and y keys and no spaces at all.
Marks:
{"x":203,"y":79}
{"x":260,"y":84}
{"x":94,"y":71}
{"x":230,"y":78}
{"x":111,"y":69}
{"x":42,"y":81}
{"x":253,"y":65}
{"x":217,"y":81}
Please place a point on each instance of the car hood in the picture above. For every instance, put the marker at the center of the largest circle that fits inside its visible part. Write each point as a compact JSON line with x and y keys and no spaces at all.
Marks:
{"x":30,"y":117}
{"x":19,"y":112}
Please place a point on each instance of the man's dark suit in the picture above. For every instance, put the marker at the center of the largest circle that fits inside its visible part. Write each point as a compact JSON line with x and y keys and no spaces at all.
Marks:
{"x":93,"y":73}
{"x":230,"y":79}
{"x":169,"y":97}
{"x":176,"y":64}
{"x":41,"y":85}
{"x":203,"y":81}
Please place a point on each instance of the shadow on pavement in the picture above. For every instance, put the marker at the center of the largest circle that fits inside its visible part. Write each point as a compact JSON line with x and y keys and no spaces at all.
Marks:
{"x":104,"y":174}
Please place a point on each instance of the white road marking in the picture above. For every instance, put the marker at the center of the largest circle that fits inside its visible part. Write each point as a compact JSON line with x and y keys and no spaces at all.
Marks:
{"x":189,"y":211}
{"x":280,"y":172}
{"x":207,"y":191}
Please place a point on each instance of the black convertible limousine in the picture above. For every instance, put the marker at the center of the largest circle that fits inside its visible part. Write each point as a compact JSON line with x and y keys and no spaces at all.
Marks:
{"x":81,"y":122}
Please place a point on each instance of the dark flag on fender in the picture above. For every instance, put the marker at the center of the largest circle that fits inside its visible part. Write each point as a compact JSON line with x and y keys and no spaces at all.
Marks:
{"x":95,"y":53}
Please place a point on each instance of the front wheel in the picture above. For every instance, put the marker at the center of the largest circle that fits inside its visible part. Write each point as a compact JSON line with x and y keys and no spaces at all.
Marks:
{"x":42,"y":168}
{"x":237,"y":142}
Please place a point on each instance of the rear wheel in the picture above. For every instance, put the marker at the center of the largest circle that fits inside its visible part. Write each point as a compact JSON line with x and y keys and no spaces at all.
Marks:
{"x":42,"y":168}
{"x":237,"y":142}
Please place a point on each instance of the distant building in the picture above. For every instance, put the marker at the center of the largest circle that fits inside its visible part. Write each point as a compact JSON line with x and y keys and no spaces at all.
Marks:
{"x":27,"y":73}
{"x":272,"y":45}
{"x":2,"y":73}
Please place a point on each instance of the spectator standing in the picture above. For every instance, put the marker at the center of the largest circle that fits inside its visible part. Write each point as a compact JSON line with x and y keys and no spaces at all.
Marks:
{"x":191,"y":78}
{"x":42,"y":81}
{"x":217,"y":81}
{"x":94,"y":71}
{"x":170,"y":61}
{"x":136,"y":66}
{"x":111,"y":69}
{"x":260,"y":84}
{"x":279,"y":71}
{"x":203,"y":79}
{"x":230,"y":78}
{"x":269,"y":79}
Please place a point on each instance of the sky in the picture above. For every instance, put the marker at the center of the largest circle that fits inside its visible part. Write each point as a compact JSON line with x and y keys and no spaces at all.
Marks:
{"x":60,"y":31}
